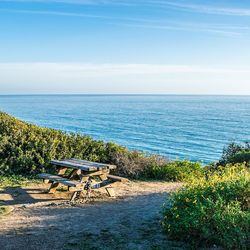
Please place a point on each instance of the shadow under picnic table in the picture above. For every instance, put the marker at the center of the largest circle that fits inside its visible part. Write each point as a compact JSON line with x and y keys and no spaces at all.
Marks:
{"x":29,"y":195}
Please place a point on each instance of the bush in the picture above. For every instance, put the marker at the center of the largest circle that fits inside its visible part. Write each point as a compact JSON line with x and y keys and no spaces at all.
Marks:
{"x":27,"y":149}
{"x":174,"y":171}
{"x":213,"y":211}
{"x":241,"y":157}
{"x":136,"y":163}
{"x":235,"y":153}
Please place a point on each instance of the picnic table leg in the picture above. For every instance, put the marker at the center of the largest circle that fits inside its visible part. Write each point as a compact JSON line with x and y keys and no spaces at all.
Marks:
{"x":74,"y":173}
{"x":104,"y":175}
{"x":74,"y":196}
{"x":77,"y":194}
{"x":110,"y":191}
{"x":60,"y":172}
{"x":53,"y":187}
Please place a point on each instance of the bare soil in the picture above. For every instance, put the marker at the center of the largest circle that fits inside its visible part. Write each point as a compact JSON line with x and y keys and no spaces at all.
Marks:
{"x":49,"y":221}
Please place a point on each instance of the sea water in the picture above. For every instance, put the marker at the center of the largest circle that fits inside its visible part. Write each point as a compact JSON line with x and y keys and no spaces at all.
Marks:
{"x":184,"y":127}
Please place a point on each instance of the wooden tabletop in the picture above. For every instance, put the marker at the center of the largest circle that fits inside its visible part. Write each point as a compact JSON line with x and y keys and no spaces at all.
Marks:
{"x":82,"y":164}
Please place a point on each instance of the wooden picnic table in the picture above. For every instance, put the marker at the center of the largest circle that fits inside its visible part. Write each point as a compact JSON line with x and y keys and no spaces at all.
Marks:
{"x":81,"y":175}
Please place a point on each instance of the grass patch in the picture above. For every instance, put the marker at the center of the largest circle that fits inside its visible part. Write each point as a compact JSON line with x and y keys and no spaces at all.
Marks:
{"x":16,"y":181}
{"x":4,"y":210}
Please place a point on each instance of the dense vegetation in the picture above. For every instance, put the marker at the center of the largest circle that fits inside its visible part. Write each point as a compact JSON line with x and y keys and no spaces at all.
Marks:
{"x":27,"y":149}
{"x":213,"y":210}
{"x":235,"y":153}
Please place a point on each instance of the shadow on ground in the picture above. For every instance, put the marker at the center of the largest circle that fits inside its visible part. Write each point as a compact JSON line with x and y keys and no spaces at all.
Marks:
{"x":25,"y":195}
{"x":130,"y":223}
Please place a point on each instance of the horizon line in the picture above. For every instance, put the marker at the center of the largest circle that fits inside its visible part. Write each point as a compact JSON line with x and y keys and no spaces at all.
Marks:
{"x":118,"y":94}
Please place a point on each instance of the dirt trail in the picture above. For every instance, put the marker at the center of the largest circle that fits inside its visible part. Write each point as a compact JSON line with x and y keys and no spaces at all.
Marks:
{"x":131,"y":221}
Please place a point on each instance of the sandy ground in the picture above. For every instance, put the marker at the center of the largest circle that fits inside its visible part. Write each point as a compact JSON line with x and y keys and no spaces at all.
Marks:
{"x":48,"y":221}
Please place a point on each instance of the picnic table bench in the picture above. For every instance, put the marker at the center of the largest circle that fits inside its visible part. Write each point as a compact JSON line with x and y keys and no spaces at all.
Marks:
{"x":80,"y":175}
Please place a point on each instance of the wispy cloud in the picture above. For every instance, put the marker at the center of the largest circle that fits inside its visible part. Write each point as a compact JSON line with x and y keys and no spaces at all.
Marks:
{"x":78,"y":2}
{"x":219,"y":29}
{"x":226,"y":31}
{"x":201,"y":8}
{"x":56,"y":13}
{"x":94,"y":70}
{"x":212,"y":8}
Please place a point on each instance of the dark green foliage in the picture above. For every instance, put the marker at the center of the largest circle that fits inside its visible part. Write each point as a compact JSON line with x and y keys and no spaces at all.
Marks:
{"x":241,"y":157}
{"x":27,"y":149}
{"x":235,"y":153}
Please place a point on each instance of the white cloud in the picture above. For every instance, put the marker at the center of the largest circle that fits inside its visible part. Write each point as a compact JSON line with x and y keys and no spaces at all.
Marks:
{"x":122,"y":78}
{"x":95,"y":70}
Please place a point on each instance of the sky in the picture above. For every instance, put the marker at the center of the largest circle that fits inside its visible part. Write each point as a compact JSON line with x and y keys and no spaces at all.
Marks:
{"x":125,"y":47}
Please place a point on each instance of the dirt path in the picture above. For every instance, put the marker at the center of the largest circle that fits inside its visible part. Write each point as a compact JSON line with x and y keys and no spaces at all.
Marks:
{"x":131,"y":221}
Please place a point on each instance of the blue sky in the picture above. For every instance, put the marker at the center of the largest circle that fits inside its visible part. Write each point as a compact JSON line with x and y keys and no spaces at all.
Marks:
{"x":125,"y":46}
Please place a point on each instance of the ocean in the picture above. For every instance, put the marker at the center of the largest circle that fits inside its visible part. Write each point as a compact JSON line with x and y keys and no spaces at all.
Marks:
{"x":178,"y":127}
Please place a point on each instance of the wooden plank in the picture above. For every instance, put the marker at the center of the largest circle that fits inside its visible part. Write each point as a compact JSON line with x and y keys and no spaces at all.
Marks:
{"x":75,"y":195}
{"x":110,"y":191}
{"x":73,"y":165}
{"x":75,"y":189}
{"x":103,"y":177}
{"x":91,"y":163}
{"x":117,"y":178}
{"x":96,"y":173}
{"x":59,"y":179}
{"x":82,"y":164}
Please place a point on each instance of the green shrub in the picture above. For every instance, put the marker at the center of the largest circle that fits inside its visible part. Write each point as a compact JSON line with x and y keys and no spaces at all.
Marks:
{"x":174,"y":171}
{"x":212,"y":211}
{"x":235,"y":153}
{"x":241,"y":157}
{"x":27,"y":149}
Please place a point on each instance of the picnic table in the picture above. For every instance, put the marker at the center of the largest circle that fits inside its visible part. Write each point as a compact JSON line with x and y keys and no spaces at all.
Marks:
{"x":81,"y":175}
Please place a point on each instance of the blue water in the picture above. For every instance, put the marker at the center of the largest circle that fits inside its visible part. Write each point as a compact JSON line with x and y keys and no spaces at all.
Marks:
{"x":184,"y":127}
